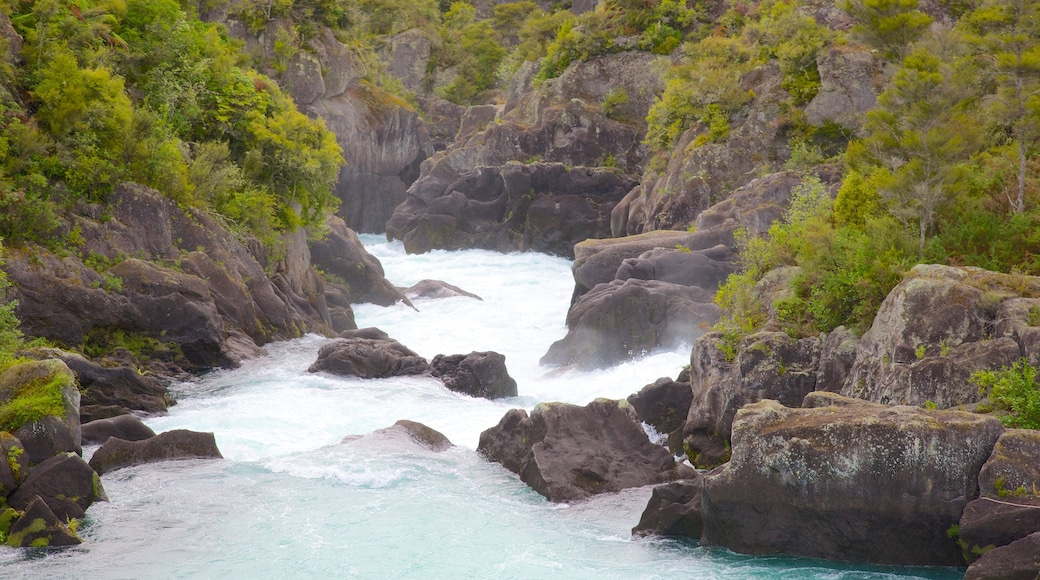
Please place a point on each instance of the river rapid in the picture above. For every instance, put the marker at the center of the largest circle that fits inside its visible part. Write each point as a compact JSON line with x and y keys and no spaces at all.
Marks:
{"x":289,"y":502}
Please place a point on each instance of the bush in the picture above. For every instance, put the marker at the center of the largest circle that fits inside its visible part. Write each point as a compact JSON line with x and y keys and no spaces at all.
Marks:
{"x":1014,"y":390}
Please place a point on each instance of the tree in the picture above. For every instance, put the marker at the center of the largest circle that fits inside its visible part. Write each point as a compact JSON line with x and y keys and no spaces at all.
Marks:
{"x":920,"y":134}
{"x":1007,"y":34}
{"x":888,"y":25}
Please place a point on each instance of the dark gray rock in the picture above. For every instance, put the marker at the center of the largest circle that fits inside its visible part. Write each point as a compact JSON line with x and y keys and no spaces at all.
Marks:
{"x":568,"y":453}
{"x":436,"y":289}
{"x":402,"y":436}
{"x":1016,"y":561}
{"x":50,"y":434}
{"x":121,"y":387}
{"x":674,"y":510}
{"x":368,"y":358}
{"x":989,"y":523}
{"x":65,"y":482}
{"x":865,"y":483}
{"x":344,"y":260}
{"x":39,"y":527}
{"x":176,"y":444}
{"x":477,"y":374}
{"x":125,"y":427}
{"x":663,"y":404}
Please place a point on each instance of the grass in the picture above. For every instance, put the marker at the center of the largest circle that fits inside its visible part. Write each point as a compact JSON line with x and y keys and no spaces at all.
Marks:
{"x":35,"y":400}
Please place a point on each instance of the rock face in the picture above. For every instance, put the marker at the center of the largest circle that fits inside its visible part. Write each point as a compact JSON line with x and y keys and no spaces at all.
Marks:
{"x":1013,"y":464}
{"x":545,"y":207}
{"x":121,"y":387}
{"x":767,"y":365}
{"x":216,"y":308}
{"x":368,"y":358}
{"x":664,"y":404}
{"x":477,"y":374}
{"x":344,"y":259}
{"x":850,"y":81}
{"x":40,"y":404}
{"x":176,"y":444}
{"x":402,"y":436}
{"x":932,"y":331}
{"x":861,"y":482}
{"x":1016,"y":561}
{"x":125,"y":427}
{"x":65,"y":482}
{"x":674,"y":509}
{"x":568,"y":453}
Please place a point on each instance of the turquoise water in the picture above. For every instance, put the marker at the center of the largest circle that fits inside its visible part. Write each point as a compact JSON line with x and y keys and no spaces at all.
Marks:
{"x":291,"y":501}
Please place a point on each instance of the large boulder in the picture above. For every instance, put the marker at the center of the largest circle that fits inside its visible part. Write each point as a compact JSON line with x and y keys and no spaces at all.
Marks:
{"x":1016,"y":561}
{"x":860,"y":482}
{"x":176,"y":444}
{"x":567,"y":453}
{"x":674,"y":510}
{"x":990,"y":522}
{"x":933,"y":330}
{"x":626,"y":319}
{"x":664,"y":404}
{"x":725,"y":376}
{"x":39,"y":404}
{"x":342,"y":257}
{"x":477,"y":374}
{"x":402,"y":436}
{"x":1013,"y":466}
{"x":435,"y":289}
{"x":125,"y":427}
{"x":38,"y":527}
{"x":121,"y":386}
{"x":65,"y":482}
{"x":368,"y":358}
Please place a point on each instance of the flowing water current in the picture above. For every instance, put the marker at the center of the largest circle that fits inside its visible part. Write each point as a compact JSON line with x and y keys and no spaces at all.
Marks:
{"x":289,"y":502}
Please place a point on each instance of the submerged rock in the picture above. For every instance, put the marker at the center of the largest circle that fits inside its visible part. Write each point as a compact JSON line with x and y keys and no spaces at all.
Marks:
{"x":436,"y":289}
{"x":403,"y":435}
{"x":567,"y":453}
{"x":125,"y":427}
{"x":369,"y":358}
{"x":176,"y":444}
{"x":477,"y":374}
{"x":865,"y":482}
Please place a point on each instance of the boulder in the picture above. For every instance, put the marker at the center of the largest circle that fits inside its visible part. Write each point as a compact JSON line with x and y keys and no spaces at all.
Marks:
{"x":664,"y":404}
{"x":125,"y":427}
{"x":1012,"y":467}
{"x":121,"y":386}
{"x":865,"y":483}
{"x":596,"y":261}
{"x":567,"y":453}
{"x":989,"y":523}
{"x":15,"y":464}
{"x":477,"y":374}
{"x":39,"y":404}
{"x":627,"y":319}
{"x":674,"y":510}
{"x":436,"y":289}
{"x":176,"y":444}
{"x":368,"y":358}
{"x":39,"y":527}
{"x":851,"y":79}
{"x":402,"y":436}
{"x":1019,"y":560}
{"x":724,"y":377}
{"x":344,"y":260}
{"x":65,"y":482}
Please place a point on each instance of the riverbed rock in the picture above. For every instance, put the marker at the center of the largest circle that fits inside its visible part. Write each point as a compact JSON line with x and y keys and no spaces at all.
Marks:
{"x":402,"y":436}
{"x":663,"y":404}
{"x":368,"y":358}
{"x":39,"y":527}
{"x":48,"y":390}
{"x":176,"y":444}
{"x":477,"y":374}
{"x":436,"y":289}
{"x":567,"y":453}
{"x":992,"y":522}
{"x":865,"y":483}
{"x":125,"y":427}
{"x":65,"y":482}
{"x":1019,"y":560}
{"x":627,"y":319}
{"x":342,"y":257}
{"x":120,"y":386}
{"x":932,"y":331}
{"x":674,"y":510}
{"x":724,"y":377}
{"x":596,"y":261}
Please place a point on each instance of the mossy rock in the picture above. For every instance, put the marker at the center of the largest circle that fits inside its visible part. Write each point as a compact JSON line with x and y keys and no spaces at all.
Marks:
{"x":38,"y":527}
{"x":39,"y":404}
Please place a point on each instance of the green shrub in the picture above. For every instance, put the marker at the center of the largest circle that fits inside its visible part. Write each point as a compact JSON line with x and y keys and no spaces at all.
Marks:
{"x":1015,"y":390}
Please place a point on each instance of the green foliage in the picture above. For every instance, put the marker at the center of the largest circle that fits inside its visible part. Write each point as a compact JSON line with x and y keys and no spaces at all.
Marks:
{"x":858,"y":199}
{"x":888,"y":25}
{"x":613,"y":101}
{"x":101,"y":342}
{"x":468,"y":45}
{"x":1014,"y":390}
{"x":794,"y":39}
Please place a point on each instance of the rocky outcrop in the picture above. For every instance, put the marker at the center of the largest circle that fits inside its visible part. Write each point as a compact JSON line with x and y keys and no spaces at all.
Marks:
{"x":119,"y":387}
{"x":724,"y":377}
{"x":176,"y":444}
{"x":567,"y":453}
{"x":125,"y":427}
{"x":177,"y":277}
{"x":851,"y":79}
{"x":1016,"y":561}
{"x":38,"y":527}
{"x":991,"y":522}
{"x":344,"y":261}
{"x":66,"y":483}
{"x":664,"y":404}
{"x":932,"y":331}
{"x":545,"y":207}
{"x":435,"y":289}
{"x":674,"y":510}
{"x":402,"y":436}
{"x":477,"y":374}
{"x":374,"y":357}
{"x":860,"y":482}
{"x":39,"y":405}
{"x":1012,"y":467}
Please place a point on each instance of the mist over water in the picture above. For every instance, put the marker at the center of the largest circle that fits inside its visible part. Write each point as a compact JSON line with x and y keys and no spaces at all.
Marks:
{"x":290,"y":501}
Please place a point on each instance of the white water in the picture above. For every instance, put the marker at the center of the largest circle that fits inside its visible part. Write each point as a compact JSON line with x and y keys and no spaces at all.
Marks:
{"x":287,"y":502}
